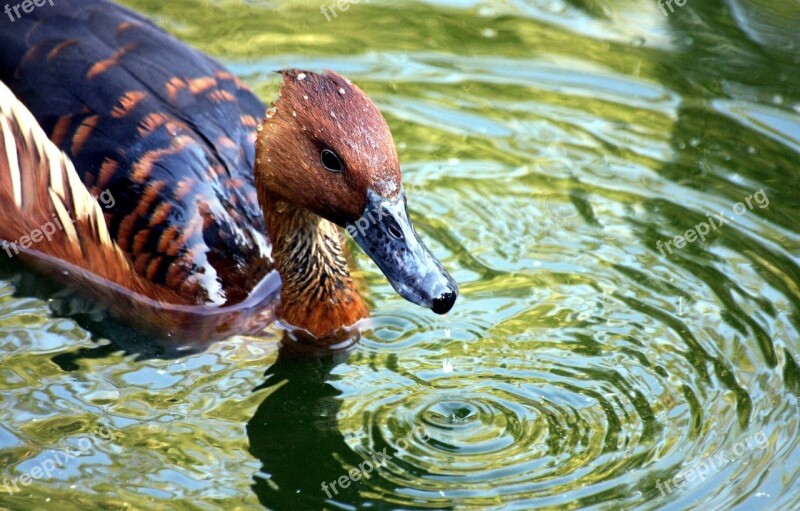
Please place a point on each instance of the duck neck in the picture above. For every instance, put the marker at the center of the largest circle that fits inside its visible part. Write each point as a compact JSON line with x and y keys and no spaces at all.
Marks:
{"x":317,"y":292}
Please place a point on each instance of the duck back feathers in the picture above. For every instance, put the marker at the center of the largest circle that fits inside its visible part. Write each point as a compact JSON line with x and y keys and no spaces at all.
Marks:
{"x":165,"y":130}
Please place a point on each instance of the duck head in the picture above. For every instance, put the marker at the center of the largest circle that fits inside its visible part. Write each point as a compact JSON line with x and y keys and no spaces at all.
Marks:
{"x":325,"y":148}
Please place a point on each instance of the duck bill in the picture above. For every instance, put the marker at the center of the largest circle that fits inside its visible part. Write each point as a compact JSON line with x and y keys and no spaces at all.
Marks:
{"x":385,"y":233}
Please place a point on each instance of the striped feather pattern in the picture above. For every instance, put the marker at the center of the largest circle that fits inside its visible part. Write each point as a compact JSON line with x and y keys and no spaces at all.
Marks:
{"x":39,"y":187}
{"x":46,"y":209}
{"x":165,"y":129}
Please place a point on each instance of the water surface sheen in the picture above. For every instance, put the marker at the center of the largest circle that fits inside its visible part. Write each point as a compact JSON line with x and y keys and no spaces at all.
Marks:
{"x":547,"y":147}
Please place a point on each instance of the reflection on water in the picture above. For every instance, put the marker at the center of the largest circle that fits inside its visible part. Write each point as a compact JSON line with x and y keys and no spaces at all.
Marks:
{"x":549,"y":146}
{"x":295,"y":434}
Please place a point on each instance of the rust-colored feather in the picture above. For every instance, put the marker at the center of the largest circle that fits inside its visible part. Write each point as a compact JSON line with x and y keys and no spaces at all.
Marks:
{"x":127,"y":104}
{"x":39,"y":186}
{"x":40,"y":191}
{"x":106,"y":64}
{"x":83,"y":132}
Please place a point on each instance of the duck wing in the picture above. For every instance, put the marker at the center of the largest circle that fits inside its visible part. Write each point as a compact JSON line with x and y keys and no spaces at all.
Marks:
{"x":57,"y":227}
{"x":164,"y":130}
{"x":49,"y":214}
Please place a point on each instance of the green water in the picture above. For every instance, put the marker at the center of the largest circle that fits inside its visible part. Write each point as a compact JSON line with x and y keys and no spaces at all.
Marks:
{"x":547,"y":147}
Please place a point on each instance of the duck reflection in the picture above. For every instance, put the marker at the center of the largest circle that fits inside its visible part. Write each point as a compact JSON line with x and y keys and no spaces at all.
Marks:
{"x":295,"y":435}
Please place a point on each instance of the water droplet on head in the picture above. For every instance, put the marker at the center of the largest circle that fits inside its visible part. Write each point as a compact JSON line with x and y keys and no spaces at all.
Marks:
{"x":342,"y":91}
{"x":301,"y":76}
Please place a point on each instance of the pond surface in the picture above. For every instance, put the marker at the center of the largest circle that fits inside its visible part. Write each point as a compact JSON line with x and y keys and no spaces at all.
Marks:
{"x":551,"y":149}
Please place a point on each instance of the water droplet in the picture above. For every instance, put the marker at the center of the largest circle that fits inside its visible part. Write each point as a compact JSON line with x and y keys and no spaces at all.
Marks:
{"x":301,"y":76}
{"x":281,"y":206}
{"x":294,"y":114}
{"x":333,"y":114}
{"x":271,"y":111}
{"x":342,"y":91}
{"x":260,"y":127}
{"x":447,"y":366}
{"x":489,"y":33}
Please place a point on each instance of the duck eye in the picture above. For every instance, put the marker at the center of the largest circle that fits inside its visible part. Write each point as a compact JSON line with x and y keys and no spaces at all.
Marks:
{"x":331,"y":161}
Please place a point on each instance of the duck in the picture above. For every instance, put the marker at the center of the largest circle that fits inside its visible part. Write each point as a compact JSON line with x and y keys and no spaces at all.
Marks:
{"x":145,"y":176}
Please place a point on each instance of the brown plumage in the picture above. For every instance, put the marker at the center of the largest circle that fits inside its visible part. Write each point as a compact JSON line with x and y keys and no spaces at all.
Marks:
{"x":53,"y":223}
{"x":185,"y":249}
{"x":300,"y":197}
{"x":317,"y":292}
{"x":42,"y":191}
{"x":39,"y":186}
{"x":316,"y":111}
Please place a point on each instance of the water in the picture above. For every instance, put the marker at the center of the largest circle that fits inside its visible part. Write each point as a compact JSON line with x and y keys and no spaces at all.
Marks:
{"x":547,"y":147}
